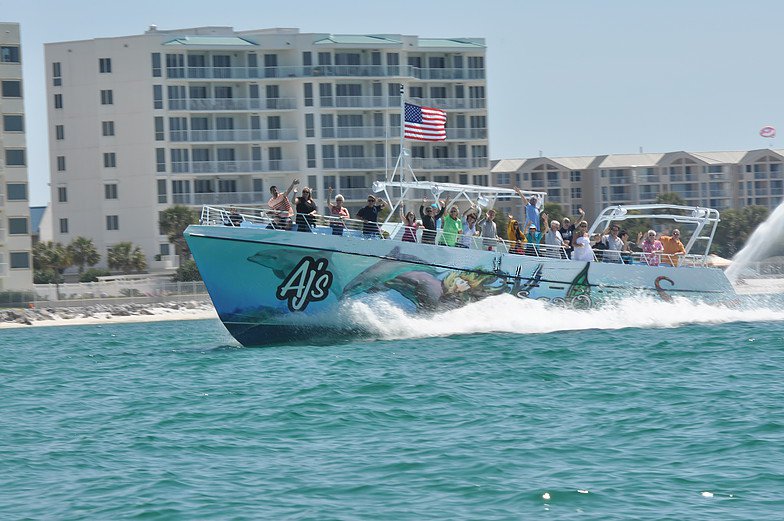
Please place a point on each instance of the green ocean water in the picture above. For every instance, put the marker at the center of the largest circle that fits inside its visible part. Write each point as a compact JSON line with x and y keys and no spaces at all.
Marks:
{"x":678,"y":416}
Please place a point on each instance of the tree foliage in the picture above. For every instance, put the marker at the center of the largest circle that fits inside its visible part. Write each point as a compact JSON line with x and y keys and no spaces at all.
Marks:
{"x":735,"y":228}
{"x":83,"y":252}
{"x":50,"y":260}
{"x":187,"y":272}
{"x":670,"y":198}
{"x":173,"y":222}
{"x":126,"y":258}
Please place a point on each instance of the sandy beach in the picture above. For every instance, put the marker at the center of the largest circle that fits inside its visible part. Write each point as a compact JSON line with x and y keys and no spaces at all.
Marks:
{"x":14,"y":318}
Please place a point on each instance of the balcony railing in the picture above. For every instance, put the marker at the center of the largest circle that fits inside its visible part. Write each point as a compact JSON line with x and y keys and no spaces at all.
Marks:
{"x":355,"y":162}
{"x":233,"y":104}
{"x":249,"y":73}
{"x":229,"y":198}
{"x":419,"y":163}
{"x":450,"y":103}
{"x":280,"y":134}
{"x":466,"y":133}
{"x":222,"y":167}
{"x":356,"y":132}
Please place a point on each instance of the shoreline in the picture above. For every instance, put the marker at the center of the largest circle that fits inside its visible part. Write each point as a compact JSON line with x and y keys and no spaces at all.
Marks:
{"x":104,"y":314}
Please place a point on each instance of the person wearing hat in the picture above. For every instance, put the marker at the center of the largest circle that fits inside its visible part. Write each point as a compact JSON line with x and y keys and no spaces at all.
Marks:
{"x":534,"y":236}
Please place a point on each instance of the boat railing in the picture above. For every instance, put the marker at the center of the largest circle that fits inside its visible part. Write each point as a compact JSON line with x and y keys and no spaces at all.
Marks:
{"x":253,"y":217}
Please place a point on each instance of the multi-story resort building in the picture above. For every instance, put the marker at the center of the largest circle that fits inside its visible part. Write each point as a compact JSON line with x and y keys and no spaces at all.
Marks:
{"x":716,"y":179}
{"x":212,"y":115}
{"x":15,"y":255}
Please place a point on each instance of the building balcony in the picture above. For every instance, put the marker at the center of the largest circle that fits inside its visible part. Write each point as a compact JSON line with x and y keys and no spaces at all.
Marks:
{"x":315,"y":71}
{"x":360,"y":102}
{"x":280,"y":134}
{"x":213,"y":104}
{"x":450,"y":103}
{"x":363,"y":163}
{"x":357,"y":133}
{"x":231,"y":167}
{"x":447,"y":163}
{"x":466,"y":133}
{"x":229,"y":198}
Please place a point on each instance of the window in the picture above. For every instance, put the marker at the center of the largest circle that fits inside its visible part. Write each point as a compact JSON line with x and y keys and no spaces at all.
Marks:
{"x":109,"y":160}
{"x":156,"y":65}
{"x":20,"y":260}
{"x":162,"y":191}
{"x":310,"y":130}
{"x":160,"y":159}
{"x":480,"y":180}
{"x":62,"y":194}
{"x":59,"y":132}
{"x":503,"y":178}
{"x":164,"y":249}
{"x":258,"y":186}
{"x":17,"y":226}
{"x":63,"y":225}
{"x":308,"y":94}
{"x":61,"y":163}
{"x":58,"y":101}
{"x":16,"y":191}
{"x":157,"y":96}
{"x":107,"y":97}
{"x":112,"y":222}
{"x":57,"y":79}
{"x":104,"y":65}
{"x":9,"y":54}
{"x":12,"y":88}
{"x":159,"y":136}
{"x":15,"y":157}
{"x":577,"y":193}
{"x":575,"y":176}
{"x":13,"y":123}
{"x":311,"y":151}
{"x":110,"y":191}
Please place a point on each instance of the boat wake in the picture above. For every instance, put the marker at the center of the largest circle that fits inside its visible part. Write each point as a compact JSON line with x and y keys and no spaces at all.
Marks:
{"x":507,"y":314}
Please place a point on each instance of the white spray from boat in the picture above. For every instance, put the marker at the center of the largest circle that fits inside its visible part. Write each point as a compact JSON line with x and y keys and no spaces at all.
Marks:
{"x":758,"y":245}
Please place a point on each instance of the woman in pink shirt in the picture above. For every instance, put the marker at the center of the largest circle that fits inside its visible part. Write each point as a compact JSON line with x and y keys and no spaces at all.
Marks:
{"x":651,"y":247}
{"x":337,"y":212}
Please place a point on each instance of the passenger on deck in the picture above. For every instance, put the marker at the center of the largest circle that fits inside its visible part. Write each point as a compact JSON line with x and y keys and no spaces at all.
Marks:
{"x":451,"y":227}
{"x":613,"y":244}
{"x":674,"y":250}
{"x":569,"y":231}
{"x":626,"y":252}
{"x":489,"y":231}
{"x":554,"y":241}
{"x":533,"y":238}
{"x":469,"y":227}
{"x":515,"y":235}
{"x":306,"y":211}
{"x":429,"y":217}
{"x":280,"y":207}
{"x":369,"y":215}
{"x":650,"y":247}
{"x":532,"y":213}
{"x":235,"y":219}
{"x":582,"y":245}
{"x":410,"y":225}
{"x":337,"y":212}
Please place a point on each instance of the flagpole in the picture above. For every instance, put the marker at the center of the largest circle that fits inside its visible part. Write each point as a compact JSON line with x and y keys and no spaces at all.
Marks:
{"x":402,"y":129}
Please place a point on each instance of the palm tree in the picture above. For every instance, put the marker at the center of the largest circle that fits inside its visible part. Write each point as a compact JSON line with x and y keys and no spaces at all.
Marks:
{"x":83,"y":252}
{"x":126,"y":258}
{"x":53,"y":257}
{"x":173,"y":222}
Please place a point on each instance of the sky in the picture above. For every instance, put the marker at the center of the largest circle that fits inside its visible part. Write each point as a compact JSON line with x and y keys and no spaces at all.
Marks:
{"x":564,"y":77}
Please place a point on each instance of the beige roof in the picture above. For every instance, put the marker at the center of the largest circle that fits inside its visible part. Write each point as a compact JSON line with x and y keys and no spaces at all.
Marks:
{"x":624,"y":160}
{"x":508,"y":165}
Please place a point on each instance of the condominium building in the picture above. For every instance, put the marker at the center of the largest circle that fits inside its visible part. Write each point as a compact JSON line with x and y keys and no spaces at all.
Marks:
{"x":212,"y":115}
{"x":719,"y":180}
{"x":15,"y":248}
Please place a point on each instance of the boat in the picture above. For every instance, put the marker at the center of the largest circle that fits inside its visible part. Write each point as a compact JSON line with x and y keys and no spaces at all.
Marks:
{"x":272,"y":285}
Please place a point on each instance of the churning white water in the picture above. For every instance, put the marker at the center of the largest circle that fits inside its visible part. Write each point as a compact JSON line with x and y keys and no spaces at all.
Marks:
{"x":508,"y":314}
{"x":761,"y":242}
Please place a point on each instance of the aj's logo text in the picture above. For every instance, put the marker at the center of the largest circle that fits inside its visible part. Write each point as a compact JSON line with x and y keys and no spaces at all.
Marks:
{"x":308,"y":282}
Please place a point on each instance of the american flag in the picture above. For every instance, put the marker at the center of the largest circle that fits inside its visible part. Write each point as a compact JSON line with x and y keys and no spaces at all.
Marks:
{"x":424,"y":123}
